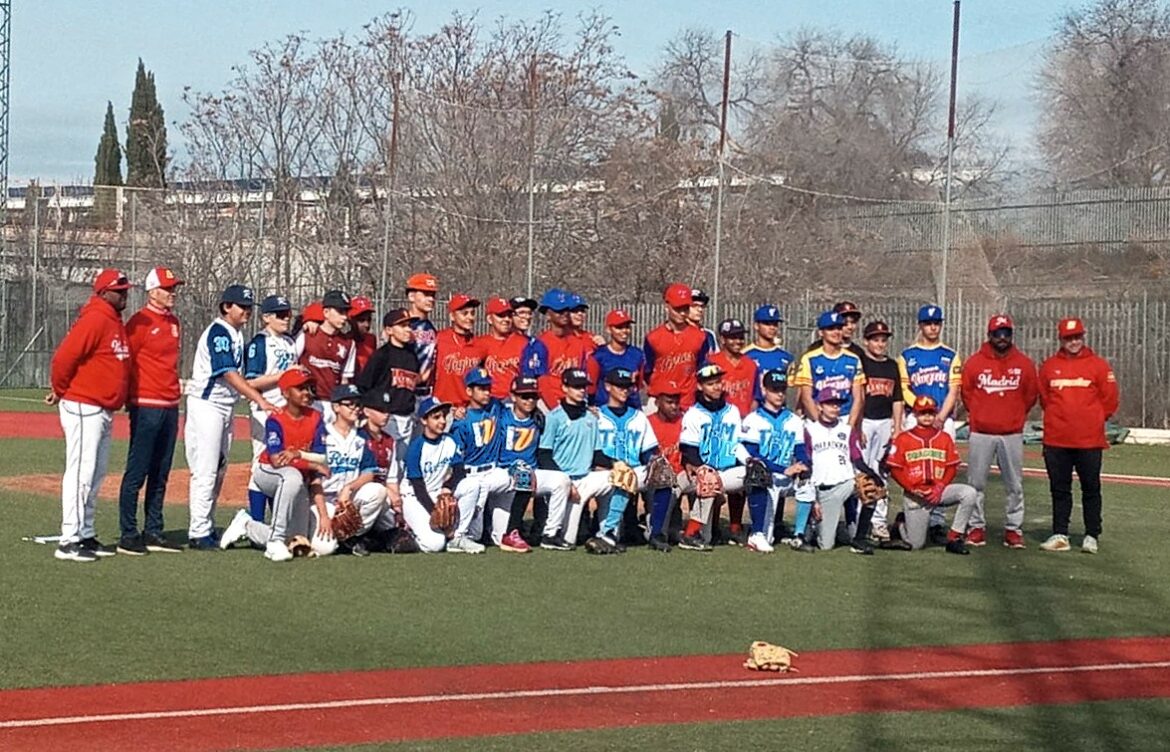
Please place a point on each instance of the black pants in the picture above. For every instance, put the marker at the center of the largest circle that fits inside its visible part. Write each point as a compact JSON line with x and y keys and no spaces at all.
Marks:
{"x":1060,"y":463}
{"x":152,"y":446}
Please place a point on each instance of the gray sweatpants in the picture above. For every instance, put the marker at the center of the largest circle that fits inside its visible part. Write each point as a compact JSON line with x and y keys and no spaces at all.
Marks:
{"x":918,"y":516}
{"x":290,"y":498}
{"x":1007,"y":451}
{"x":832,"y":501}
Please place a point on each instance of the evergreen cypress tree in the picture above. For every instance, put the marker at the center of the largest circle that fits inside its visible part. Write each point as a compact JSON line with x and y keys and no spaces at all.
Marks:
{"x":146,"y":134}
{"x":107,"y":168}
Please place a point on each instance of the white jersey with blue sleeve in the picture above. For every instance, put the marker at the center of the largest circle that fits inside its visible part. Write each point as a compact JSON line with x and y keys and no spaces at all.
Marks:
{"x":269,"y":354}
{"x":625,"y":438}
{"x":775,"y":438}
{"x":432,"y":461}
{"x":717,"y":435}
{"x":347,"y":456}
{"x":219,"y":351}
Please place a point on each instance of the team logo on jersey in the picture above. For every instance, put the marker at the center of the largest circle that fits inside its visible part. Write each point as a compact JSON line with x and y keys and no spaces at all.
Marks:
{"x":484,"y":430}
{"x":521,"y":437}
{"x":120,"y":348}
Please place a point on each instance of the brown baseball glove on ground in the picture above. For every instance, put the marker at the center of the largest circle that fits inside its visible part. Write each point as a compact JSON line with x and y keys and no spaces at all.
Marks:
{"x":445,"y":515}
{"x":346,"y":520}
{"x":764,"y":656}
{"x":299,"y":546}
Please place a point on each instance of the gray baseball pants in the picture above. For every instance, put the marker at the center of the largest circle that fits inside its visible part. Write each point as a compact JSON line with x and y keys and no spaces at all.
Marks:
{"x":1007,"y":451}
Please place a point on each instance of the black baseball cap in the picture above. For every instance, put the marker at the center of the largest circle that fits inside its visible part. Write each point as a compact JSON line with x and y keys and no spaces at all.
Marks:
{"x":241,"y":295}
{"x":376,"y":399}
{"x":522,"y":302}
{"x":575,"y":377}
{"x":335,"y":299}
{"x":775,"y":380}
{"x":525,"y":385}
{"x":275,"y":304}
{"x":345,"y":392}
{"x":699,"y":296}
{"x":732,"y":328}
{"x":847,"y":308}
{"x":876,"y":329}
{"x":397,"y":316}
{"x":620,"y":377}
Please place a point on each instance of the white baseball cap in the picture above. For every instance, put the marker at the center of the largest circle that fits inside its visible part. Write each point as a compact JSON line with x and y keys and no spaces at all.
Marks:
{"x":160,"y":276}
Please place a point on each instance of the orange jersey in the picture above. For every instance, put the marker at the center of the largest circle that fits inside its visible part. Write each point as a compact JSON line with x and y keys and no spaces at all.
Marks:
{"x":502,"y":360}
{"x":739,"y":379}
{"x":455,"y":355}
{"x":922,"y":458}
{"x":667,"y":433}
{"x":674,"y":357}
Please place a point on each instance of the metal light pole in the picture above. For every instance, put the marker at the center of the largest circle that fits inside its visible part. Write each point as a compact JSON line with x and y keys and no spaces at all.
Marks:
{"x":531,"y":175}
{"x":388,"y":214}
{"x":719,"y":188}
{"x":946,"y":233}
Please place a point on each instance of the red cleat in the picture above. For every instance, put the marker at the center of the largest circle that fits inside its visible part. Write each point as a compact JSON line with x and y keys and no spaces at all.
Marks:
{"x":513,"y":543}
{"x":1014,"y":539}
{"x":977,"y":536}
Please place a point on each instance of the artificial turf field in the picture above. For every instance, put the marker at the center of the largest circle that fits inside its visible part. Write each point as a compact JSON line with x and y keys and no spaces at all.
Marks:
{"x":167,"y":617}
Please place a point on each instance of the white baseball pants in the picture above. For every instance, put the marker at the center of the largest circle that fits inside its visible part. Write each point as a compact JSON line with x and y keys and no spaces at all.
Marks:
{"x":701,"y":509}
{"x":207,"y":436}
{"x":878,"y":434}
{"x":418,"y":519}
{"x":87,"y":454}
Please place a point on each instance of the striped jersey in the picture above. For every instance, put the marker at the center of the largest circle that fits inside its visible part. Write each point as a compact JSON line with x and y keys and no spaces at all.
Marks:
{"x":219,"y":350}
{"x":819,"y":370}
{"x":930,"y":370}
{"x":624,"y":438}
{"x":268,"y":354}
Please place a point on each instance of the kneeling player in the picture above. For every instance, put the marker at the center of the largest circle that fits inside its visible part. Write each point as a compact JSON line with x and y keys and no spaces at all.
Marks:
{"x":924,"y":461}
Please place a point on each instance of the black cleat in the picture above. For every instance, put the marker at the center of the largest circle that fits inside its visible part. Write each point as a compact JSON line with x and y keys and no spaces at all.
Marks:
{"x":937,"y":535}
{"x":556,"y":543}
{"x":160,"y":545}
{"x":861,"y":546}
{"x":658,"y":543}
{"x":95,"y":547}
{"x":132,"y":545}
{"x":693,"y":543}
{"x":957,"y":546}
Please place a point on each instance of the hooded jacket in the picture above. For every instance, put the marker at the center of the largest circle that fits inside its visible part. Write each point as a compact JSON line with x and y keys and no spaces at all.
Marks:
{"x":999,"y":391}
{"x":92,"y":363}
{"x":1078,"y":393}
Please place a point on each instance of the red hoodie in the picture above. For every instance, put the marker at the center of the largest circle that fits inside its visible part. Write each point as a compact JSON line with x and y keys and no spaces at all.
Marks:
{"x":1078,"y":393}
{"x":999,"y":391}
{"x":92,"y":363}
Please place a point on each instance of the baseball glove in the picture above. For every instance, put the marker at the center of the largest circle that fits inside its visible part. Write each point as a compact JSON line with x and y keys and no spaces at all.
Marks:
{"x":346,"y":520}
{"x":623,"y":477}
{"x":708,"y":483}
{"x":757,"y":475}
{"x":300,"y":546}
{"x":867,"y":489}
{"x":659,"y":473}
{"x":445,"y":515}
{"x":764,"y":656}
{"x":523,"y":477}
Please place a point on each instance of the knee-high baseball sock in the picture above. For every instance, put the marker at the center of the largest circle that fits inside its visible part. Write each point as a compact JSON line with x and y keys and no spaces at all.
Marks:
{"x":778,"y":518}
{"x":516,"y":513}
{"x":851,"y":510}
{"x":863,"y":522}
{"x":757,"y":502}
{"x":539,"y":517}
{"x":617,"y":507}
{"x":735,"y":503}
{"x":803,"y":512}
{"x":659,"y":510}
{"x":257,"y":504}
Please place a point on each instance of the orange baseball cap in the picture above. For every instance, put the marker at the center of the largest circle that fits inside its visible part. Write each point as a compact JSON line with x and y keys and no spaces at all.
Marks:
{"x":423,"y":282}
{"x":678,"y":295}
{"x":314,"y":311}
{"x":459,"y":301}
{"x":1071,"y":327}
{"x":358,"y":305}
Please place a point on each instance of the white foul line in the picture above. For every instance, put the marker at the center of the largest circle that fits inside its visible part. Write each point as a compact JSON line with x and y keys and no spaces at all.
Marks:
{"x":575,"y":691}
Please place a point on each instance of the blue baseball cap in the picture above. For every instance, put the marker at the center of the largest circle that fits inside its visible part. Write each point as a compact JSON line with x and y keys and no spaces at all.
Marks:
{"x":477,"y":377}
{"x":241,"y":295}
{"x":829,"y":394}
{"x":576,"y":302}
{"x":430,"y":405}
{"x":768,"y":314}
{"x":830,"y":320}
{"x":930,"y":312}
{"x":555,"y":299}
{"x":275,"y":304}
{"x":345,"y":392}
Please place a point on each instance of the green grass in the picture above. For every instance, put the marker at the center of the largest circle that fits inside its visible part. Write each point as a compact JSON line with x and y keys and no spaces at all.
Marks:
{"x":35,"y":456}
{"x":1103,"y":726}
{"x":234,"y":613}
{"x":24,"y":400}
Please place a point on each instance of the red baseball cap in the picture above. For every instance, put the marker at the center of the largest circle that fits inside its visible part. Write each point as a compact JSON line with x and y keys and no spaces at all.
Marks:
{"x":618,"y":317}
{"x":668,"y":389}
{"x":459,"y":301}
{"x":924,"y":404}
{"x":424,"y":282}
{"x":314,"y":311}
{"x":358,"y":305}
{"x":110,"y":279}
{"x":678,"y":295}
{"x":1000,"y":321}
{"x":498,"y":306}
{"x":1070,"y":327}
{"x":295,"y":376}
{"x":161,"y":277}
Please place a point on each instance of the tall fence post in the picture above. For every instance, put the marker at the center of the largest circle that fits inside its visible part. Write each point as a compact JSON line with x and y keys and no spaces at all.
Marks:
{"x":1141,"y":323}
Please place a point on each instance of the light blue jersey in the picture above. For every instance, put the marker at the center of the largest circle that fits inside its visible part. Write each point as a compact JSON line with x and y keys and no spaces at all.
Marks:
{"x":571,"y":441}
{"x":775,"y":438}
{"x":715,"y":434}
{"x":624,"y":438}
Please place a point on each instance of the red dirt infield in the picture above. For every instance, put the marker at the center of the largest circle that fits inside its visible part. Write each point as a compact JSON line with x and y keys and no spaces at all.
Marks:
{"x":264,"y":712}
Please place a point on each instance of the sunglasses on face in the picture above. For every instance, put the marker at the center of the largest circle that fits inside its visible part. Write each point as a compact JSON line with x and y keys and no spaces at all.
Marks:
{"x":526,"y":396}
{"x":347,"y":403}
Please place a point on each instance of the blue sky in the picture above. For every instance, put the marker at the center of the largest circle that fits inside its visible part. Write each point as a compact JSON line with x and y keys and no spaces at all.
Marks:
{"x":70,"y":56}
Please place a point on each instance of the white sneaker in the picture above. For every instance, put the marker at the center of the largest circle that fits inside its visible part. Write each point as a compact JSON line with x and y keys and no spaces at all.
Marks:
{"x":1056,"y":543}
{"x":277,"y":551}
{"x":237,"y":529}
{"x":881,"y":531}
{"x":461,"y":544}
{"x":759,"y":542}
{"x":1089,"y":545}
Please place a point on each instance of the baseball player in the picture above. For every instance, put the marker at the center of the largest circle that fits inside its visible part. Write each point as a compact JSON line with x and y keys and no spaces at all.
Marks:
{"x":774,"y":435}
{"x":555,"y":350}
{"x":666,"y":422}
{"x":394,"y":370}
{"x":710,"y":438}
{"x":623,"y":435}
{"x":765,"y":350}
{"x":153,"y":337}
{"x":89,"y":377}
{"x":288,"y":469}
{"x":923,"y":461}
{"x":361,"y":320}
{"x":830,"y":366}
{"x":477,"y":435}
{"x":457,"y":351}
{"x":433,"y":463}
{"x":881,"y":417}
{"x":566,"y":446}
{"x":739,"y":382}
{"x":421,"y":290}
{"x":1000,"y":387}
{"x":502,"y":347}
{"x":378,"y":408}
{"x":617,"y":353}
{"x":675,"y":349}
{"x":270,"y":353}
{"x":216,"y":383}
{"x":834,"y":452}
{"x":328,"y":352}
{"x":577,"y":315}
{"x":698,"y":310}
{"x":522,"y":310}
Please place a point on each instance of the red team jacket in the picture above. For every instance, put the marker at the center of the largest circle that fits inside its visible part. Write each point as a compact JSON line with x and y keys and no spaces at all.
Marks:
{"x":92,"y":363}
{"x":455,"y":355}
{"x":502,"y":360}
{"x":667,"y":433}
{"x":153,"y":335}
{"x":282,"y":431}
{"x":923,"y":458}
{"x":672,"y":356}
{"x":999,"y":392}
{"x":1078,"y":395}
{"x":739,"y":381}
{"x":326,"y":357}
